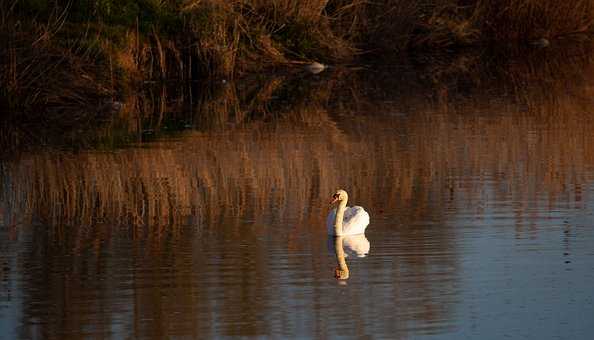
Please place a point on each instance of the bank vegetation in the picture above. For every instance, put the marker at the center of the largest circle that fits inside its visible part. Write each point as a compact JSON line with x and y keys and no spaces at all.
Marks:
{"x":61,"y":59}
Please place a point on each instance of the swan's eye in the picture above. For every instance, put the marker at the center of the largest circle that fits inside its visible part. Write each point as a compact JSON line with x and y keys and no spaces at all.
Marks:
{"x":335,"y":196}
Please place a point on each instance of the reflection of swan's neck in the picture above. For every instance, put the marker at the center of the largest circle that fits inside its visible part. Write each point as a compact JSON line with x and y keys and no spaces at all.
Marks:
{"x":342,"y":272}
{"x":339,"y":217}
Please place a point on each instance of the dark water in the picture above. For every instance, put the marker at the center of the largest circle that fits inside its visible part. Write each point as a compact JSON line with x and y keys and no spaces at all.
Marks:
{"x":480,"y":192}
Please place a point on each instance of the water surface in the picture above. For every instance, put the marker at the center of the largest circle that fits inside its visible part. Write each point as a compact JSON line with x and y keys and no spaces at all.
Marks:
{"x":480,"y":193}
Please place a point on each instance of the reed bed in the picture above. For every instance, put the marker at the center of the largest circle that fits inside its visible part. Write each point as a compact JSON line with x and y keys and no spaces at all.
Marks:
{"x":521,"y":20}
{"x":64,"y":62}
{"x":216,"y":38}
{"x":237,"y":163}
{"x":249,"y":160}
{"x":63,"y":83}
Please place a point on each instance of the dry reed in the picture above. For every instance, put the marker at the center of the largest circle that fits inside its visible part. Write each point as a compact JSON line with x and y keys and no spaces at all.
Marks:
{"x":223,"y":39}
{"x":168,"y":187}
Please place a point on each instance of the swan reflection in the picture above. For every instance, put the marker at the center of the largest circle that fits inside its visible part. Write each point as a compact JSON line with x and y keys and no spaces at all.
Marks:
{"x":345,"y":246}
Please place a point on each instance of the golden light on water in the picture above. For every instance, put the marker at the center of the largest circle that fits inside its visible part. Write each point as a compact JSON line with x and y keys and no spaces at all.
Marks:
{"x":219,"y":230}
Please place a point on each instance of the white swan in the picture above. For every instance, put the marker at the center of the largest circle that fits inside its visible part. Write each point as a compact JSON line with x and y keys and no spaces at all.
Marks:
{"x":344,"y":220}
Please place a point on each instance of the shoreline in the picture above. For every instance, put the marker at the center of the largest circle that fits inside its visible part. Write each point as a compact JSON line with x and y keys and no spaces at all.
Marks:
{"x":151,"y":109}
{"x":59,"y":60}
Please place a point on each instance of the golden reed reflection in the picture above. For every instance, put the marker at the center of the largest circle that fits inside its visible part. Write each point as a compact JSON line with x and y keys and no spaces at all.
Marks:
{"x":417,"y":147}
{"x":542,"y":144}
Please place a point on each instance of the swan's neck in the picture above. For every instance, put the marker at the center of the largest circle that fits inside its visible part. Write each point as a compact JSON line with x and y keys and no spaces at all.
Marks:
{"x":339,"y":217}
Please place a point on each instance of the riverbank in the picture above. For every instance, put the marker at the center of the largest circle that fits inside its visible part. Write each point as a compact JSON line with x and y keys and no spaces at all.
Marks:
{"x":62,"y":59}
{"x":154,"y":110}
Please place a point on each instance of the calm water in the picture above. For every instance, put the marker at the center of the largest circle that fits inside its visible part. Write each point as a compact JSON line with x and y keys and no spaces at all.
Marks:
{"x":480,"y":192}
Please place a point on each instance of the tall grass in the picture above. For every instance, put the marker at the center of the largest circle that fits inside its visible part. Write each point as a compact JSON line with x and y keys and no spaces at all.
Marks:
{"x":50,"y":79}
{"x":245,"y":137}
{"x":517,"y":20}
{"x":403,"y":24}
{"x":63,"y":56}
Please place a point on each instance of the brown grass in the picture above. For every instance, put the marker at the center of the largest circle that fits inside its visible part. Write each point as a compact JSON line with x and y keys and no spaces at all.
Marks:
{"x":222,"y":167}
{"x":401,"y":24}
{"x":513,"y":20}
{"x":46,"y":70}
{"x":45,"y":80}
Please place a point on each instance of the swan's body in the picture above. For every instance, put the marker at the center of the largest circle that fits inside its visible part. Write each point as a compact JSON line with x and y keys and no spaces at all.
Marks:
{"x":344,"y":220}
{"x":354,"y":222}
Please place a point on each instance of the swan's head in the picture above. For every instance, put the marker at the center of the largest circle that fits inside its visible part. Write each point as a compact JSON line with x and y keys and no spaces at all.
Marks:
{"x":339,"y":196}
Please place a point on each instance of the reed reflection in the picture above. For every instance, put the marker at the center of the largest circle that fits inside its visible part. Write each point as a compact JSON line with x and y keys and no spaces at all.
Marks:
{"x":175,"y":237}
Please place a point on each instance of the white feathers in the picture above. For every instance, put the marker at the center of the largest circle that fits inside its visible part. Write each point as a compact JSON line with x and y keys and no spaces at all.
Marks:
{"x":355,"y":221}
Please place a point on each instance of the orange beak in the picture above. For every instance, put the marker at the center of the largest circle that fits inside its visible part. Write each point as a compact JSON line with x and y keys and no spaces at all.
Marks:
{"x":334,"y":199}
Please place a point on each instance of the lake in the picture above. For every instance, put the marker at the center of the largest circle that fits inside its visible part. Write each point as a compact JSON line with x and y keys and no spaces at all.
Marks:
{"x":200,"y":211}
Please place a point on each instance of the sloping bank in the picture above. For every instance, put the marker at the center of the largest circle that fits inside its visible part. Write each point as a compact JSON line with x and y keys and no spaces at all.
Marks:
{"x":67,"y":61}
